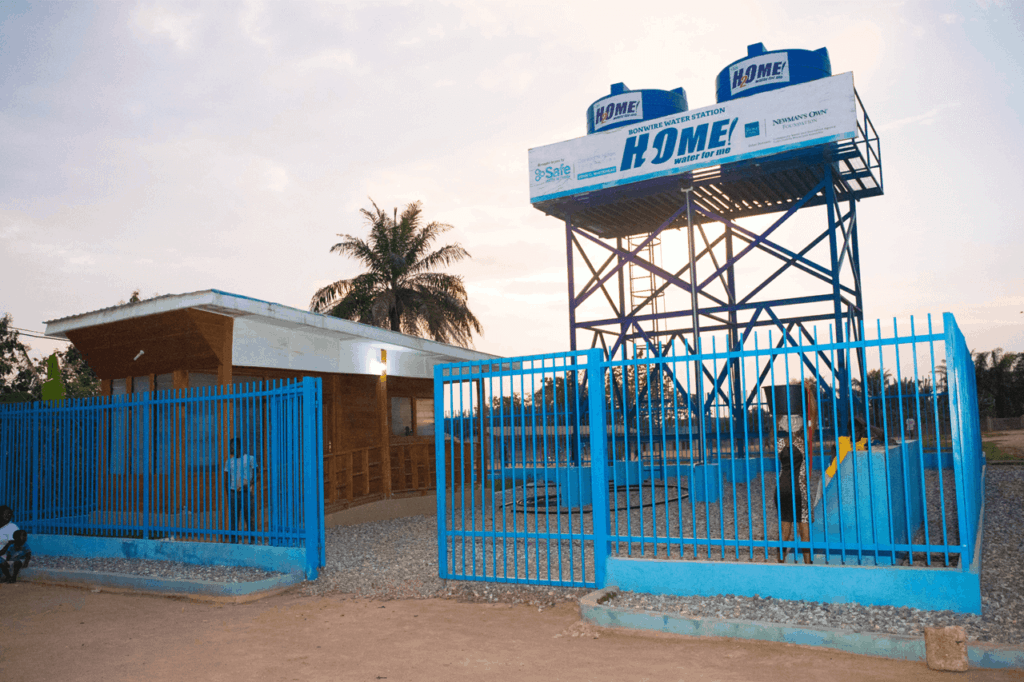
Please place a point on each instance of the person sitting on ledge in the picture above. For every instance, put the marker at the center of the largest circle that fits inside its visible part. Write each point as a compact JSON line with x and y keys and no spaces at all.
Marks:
{"x":7,"y":527}
{"x":14,"y":556}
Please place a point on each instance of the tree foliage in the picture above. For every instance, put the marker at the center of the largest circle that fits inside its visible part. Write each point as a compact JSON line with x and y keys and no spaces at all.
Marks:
{"x":402,"y":289}
{"x":19,"y":375}
{"x":1000,"y":379}
{"x":22,"y":378}
{"x":79,"y":379}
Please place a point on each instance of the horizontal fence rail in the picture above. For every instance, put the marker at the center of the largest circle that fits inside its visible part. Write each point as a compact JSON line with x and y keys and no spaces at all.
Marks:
{"x":161,"y":465}
{"x":864,"y":452}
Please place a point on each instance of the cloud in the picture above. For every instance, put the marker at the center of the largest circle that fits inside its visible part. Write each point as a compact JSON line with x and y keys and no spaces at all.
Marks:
{"x":269,"y":175}
{"x":161,"y":20}
{"x":927,"y":118}
{"x":951,"y":18}
{"x":333,"y":59}
{"x":229,"y":143}
{"x":513,"y":74}
{"x":507,"y":294}
{"x":254,"y":24}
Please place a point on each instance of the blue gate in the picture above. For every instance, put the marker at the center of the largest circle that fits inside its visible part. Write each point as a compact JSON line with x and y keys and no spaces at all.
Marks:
{"x":697,"y":473}
{"x":517,"y":470}
{"x":153,"y":466}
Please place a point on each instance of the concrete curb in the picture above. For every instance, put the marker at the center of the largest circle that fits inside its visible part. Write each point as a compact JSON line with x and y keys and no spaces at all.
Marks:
{"x":594,"y":609}
{"x":197,"y":590}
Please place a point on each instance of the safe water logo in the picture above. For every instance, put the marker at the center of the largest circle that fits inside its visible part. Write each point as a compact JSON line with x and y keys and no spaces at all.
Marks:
{"x":552,"y":171}
{"x":626,"y":107}
{"x":761,"y":70}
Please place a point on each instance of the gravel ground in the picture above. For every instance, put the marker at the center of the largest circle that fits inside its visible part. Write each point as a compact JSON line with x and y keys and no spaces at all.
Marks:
{"x":154,"y":569}
{"x":1002,"y":578}
{"x":398,"y":560}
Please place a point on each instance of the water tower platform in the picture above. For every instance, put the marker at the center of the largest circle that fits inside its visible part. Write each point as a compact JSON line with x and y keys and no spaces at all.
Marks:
{"x":769,"y":184}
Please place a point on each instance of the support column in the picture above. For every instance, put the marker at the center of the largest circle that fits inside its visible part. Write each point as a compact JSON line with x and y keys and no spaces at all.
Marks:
{"x":698,"y":416}
{"x":224,"y":377}
{"x":692,"y":251}
{"x":623,"y":326}
{"x":738,"y":399}
{"x":385,"y":434}
{"x":842,"y":373}
{"x":572,"y":283}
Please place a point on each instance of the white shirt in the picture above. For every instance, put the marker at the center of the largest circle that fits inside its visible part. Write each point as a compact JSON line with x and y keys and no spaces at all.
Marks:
{"x":239,"y":471}
{"x":7,"y":533}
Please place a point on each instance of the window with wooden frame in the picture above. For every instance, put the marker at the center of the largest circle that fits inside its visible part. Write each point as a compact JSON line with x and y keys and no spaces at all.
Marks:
{"x":412,"y":416}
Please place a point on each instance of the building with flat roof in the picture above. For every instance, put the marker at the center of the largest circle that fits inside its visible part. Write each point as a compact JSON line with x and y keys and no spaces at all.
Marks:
{"x":378,"y":407}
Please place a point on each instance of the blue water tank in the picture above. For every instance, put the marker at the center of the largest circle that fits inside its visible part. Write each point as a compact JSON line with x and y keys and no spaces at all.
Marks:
{"x":762,"y":70}
{"x":625,"y":107}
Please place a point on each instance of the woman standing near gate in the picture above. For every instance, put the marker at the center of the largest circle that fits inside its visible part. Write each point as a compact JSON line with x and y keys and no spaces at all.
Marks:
{"x":793,"y":449}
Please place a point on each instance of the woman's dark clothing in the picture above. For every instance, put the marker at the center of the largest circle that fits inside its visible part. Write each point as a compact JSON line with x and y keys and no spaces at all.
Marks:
{"x":791,"y":472}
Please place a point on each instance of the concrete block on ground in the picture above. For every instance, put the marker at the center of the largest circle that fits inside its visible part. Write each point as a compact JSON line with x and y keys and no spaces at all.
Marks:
{"x":946,"y":648}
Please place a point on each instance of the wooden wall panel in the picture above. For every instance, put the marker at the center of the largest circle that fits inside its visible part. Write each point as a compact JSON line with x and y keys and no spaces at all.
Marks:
{"x":176,"y":340}
{"x":356,"y":461}
{"x":410,"y":388}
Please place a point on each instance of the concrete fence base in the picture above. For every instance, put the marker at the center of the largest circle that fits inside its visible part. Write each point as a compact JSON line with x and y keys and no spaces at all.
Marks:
{"x":599,"y":609}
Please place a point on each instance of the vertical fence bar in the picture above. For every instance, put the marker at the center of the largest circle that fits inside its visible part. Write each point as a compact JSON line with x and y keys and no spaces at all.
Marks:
{"x":954,"y":378}
{"x":311,"y":479}
{"x":596,"y":367}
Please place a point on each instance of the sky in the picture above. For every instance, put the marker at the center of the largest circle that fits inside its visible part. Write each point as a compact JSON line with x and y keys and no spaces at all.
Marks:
{"x":176,"y":147}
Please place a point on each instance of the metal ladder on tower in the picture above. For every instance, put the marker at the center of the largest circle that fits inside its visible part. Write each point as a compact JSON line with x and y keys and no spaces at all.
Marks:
{"x":642,"y":287}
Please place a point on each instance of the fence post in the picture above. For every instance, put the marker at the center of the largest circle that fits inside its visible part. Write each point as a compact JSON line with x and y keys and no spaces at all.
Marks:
{"x":43,"y":470}
{"x":598,"y":462}
{"x":954,"y":377}
{"x":147,"y":455}
{"x":310,"y":478}
{"x":439,"y":464}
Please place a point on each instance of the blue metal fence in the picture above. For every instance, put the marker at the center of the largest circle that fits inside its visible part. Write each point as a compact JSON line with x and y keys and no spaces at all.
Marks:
{"x":551,"y":468}
{"x":154,"y":465}
{"x":968,"y":461}
{"x":513,"y":475}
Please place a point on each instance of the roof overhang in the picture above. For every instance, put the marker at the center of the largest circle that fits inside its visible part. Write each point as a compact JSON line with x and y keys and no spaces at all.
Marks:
{"x":263,"y":313}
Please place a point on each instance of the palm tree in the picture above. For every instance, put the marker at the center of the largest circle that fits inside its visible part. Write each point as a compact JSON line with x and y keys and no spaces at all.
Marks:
{"x":994,"y":376}
{"x":401,"y":289}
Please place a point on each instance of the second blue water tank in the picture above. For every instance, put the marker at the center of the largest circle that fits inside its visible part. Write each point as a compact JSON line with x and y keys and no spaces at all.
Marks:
{"x":762,"y":70}
{"x":624,"y":107}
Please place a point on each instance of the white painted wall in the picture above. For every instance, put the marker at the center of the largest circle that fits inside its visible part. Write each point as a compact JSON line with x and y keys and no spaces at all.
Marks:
{"x":260,"y":343}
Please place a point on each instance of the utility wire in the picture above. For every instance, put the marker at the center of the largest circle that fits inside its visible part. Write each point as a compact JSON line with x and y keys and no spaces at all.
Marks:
{"x":38,"y":335}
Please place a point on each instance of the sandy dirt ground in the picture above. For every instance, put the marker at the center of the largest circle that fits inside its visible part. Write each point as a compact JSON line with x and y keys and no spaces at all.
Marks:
{"x":53,"y":633}
{"x":1012,"y":442}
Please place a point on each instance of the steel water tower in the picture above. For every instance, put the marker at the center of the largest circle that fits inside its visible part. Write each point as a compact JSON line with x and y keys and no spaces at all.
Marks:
{"x":679,"y":222}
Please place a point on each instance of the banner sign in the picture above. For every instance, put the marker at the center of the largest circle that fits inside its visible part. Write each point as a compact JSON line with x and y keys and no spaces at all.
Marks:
{"x":760,"y":70}
{"x":798,"y":116}
{"x":628,"y":106}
